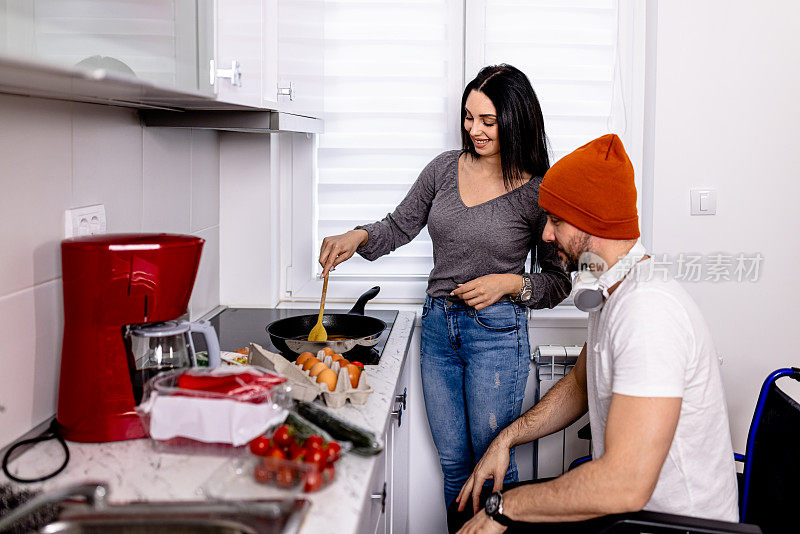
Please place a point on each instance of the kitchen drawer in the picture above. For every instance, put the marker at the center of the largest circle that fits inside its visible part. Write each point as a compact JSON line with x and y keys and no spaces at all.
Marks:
{"x":373,"y":513}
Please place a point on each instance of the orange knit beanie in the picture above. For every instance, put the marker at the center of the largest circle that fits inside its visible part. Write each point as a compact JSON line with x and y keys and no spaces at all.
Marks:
{"x":592,"y":188}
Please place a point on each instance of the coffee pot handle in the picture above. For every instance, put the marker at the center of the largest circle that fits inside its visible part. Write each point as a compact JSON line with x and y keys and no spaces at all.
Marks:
{"x":212,"y":342}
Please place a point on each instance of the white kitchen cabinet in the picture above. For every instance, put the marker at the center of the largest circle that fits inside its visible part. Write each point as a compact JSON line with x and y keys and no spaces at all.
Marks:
{"x":276,"y":45}
{"x":174,"y":54}
{"x":237,"y":66}
{"x":386,"y":511}
{"x":300,"y":66}
{"x":400,"y":432}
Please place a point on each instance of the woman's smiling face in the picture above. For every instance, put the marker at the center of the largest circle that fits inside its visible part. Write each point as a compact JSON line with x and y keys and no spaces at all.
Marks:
{"x":480,"y":122}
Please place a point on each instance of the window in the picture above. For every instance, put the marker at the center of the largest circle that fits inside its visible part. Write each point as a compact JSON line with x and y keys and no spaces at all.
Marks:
{"x":394,"y":74}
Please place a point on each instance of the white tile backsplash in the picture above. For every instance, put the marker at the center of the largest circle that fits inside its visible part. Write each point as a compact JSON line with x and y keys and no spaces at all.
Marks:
{"x":30,"y":333}
{"x":166,"y":192}
{"x":107,"y":164}
{"x":205,"y":295}
{"x":37,"y":188}
{"x":205,"y":179}
{"x":58,"y":155}
{"x":47,"y":305}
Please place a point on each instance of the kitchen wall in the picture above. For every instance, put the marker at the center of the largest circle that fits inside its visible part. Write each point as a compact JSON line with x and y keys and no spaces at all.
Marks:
{"x":727,"y":117}
{"x":56,"y":155}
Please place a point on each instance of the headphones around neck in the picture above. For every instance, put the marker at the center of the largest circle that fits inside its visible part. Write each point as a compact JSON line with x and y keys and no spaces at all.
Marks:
{"x":589,"y":292}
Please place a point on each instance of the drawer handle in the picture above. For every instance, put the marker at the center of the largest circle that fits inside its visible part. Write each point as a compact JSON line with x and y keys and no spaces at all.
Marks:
{"x":381,"y":497}
{"x":398,"y":414}
{"x":402,"y":398}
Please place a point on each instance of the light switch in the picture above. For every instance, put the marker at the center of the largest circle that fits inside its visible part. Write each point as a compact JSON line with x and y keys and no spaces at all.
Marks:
{"x":703,"y":201}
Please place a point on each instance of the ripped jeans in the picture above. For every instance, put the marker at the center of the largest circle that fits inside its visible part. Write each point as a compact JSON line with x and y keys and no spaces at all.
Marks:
{"x":474,"y":368}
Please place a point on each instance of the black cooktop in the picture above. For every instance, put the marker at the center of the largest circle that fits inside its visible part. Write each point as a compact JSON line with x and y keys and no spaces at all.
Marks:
{"x":237,"y":327}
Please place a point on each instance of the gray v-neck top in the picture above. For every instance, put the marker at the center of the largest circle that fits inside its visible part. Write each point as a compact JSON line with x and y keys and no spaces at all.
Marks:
{"x":472,"y":241}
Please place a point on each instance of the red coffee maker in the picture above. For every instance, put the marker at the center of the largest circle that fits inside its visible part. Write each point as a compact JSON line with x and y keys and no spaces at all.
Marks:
{"x":110,"y":282}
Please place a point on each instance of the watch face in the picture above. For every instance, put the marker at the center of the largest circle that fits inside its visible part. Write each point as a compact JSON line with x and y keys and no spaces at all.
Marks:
{"x":492,"y":504}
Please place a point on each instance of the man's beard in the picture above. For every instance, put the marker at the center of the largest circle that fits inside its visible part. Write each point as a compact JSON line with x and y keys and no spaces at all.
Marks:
{"x":570,"y":255}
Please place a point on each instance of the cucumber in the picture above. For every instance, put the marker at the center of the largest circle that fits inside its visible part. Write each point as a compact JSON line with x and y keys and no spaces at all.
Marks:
{"x":305,"y":428}
{"x":364,"y":442}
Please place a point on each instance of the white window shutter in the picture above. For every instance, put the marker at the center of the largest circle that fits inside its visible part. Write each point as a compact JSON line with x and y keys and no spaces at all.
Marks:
{"x":567,"y":48}
{"x":393,"y":78}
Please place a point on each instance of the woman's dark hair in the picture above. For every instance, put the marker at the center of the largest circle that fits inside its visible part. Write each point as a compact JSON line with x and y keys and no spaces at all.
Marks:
{"x":520,"y":125}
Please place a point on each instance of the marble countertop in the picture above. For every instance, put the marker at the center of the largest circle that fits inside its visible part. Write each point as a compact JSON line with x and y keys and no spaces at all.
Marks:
{"x":135,"y":471}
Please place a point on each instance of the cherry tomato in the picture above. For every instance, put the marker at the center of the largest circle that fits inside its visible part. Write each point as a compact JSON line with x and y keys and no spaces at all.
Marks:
{"x":314,"y":442}
{"x":260,"y":446}
{"x":276,"y":452}
{"x":313,"y":481}
{"x":332,"y":452}
{"x":262,"y":473}
{"x":284,"y":477}
{"x":282,"y":437}
{"x":296,"y":452}
{"x":315,"y":456}
{"x":358,"y":364}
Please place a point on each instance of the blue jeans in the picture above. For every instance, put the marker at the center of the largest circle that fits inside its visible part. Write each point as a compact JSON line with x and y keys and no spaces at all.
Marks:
{"x":474,"y":368}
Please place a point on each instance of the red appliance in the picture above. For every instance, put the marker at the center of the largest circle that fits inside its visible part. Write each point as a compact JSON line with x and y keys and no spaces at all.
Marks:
{"x":110,"y":282}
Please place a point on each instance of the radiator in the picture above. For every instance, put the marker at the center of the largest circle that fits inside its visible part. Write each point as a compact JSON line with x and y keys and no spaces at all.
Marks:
{"x":553,"y":454}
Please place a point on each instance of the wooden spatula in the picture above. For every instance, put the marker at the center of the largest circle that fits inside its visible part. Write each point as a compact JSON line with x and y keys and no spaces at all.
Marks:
{"x":318,"y":333}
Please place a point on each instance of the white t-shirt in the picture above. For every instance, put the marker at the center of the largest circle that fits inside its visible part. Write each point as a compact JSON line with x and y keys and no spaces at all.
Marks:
{"x":650,"y":340}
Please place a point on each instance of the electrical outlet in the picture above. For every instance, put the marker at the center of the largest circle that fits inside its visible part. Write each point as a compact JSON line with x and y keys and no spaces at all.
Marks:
{"x":88,"y":220}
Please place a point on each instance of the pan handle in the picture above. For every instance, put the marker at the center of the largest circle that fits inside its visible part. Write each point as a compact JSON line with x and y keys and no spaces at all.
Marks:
{"x":358,"y":307}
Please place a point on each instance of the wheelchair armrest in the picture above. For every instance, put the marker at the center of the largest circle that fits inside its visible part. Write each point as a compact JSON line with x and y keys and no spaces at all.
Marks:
{"x":659,"y":523}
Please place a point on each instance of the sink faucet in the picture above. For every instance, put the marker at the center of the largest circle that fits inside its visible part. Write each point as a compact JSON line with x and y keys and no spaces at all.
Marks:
{"x":94,"y":493}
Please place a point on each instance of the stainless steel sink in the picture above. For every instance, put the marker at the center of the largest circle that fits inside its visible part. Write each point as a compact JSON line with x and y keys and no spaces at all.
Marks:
{"x":247,"y":517}
{"x":95,"y":514}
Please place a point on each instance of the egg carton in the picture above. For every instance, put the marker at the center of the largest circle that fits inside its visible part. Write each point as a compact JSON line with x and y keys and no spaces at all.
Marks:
{"x":305,"y":387}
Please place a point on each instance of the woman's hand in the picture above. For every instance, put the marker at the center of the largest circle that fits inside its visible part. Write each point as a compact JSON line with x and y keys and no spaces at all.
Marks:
{"x":494,"y":464}
{"x":486,"y":290}
{"x":338,"y":248}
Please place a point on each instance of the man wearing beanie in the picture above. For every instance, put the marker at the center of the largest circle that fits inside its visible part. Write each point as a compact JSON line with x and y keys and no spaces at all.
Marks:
{"x":648,"y":376}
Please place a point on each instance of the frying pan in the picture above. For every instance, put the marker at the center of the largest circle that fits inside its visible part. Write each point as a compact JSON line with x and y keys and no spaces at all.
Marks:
{"x":356,"y":329}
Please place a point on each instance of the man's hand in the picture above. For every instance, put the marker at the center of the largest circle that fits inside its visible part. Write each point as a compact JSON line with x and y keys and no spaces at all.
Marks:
{"x":486,"y":290}
{"x":338,"y":248}
{"x":493,"y":465}
{"x":481,"y":524}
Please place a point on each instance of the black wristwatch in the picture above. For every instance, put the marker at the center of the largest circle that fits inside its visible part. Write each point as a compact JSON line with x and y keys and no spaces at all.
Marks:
{"x":494,"y":509}
{"x":526,"y":291}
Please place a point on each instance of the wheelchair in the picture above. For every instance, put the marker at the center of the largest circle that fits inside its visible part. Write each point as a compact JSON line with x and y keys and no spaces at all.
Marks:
{"x":769,"y":485}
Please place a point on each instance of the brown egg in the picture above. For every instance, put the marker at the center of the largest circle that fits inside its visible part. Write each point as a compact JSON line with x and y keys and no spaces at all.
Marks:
{"x":354,"y":373}
{"x":309,"y":363}
{"x":329,"y":378}
{"x":344,"y":362}
{"x":329,"y":351}
{"x":303,"y":357}
{"x":336,"y":357}
{"x":317,"y":369}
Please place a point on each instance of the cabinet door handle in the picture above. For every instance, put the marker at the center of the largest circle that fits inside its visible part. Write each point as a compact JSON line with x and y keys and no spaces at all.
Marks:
{"x":234,"y":74}
{"x":402,"y":398}
{"x":287,"y":91}
{"x":381,"y":497}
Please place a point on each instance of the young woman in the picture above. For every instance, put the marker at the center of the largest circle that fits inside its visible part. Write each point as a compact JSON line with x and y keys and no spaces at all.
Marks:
{"x":481,"y":207}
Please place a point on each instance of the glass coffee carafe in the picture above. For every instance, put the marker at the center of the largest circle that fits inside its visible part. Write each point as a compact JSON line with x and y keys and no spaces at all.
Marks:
{"x":159,"y":347}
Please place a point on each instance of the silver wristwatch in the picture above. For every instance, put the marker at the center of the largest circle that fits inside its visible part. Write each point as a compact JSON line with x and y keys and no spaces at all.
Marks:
{"x":527,"y":289}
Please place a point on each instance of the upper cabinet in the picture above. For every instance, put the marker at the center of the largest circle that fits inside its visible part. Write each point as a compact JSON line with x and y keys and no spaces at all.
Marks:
{"x":300,"y":56}
{"x":174,"y":54}
{"x":156,"y":42}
